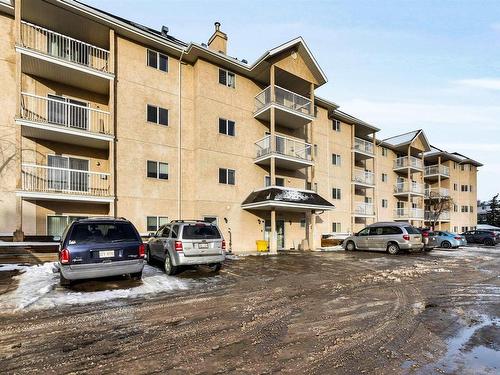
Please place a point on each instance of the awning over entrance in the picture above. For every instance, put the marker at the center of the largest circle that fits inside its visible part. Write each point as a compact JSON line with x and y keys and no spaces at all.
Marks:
{"x":285,"y":199}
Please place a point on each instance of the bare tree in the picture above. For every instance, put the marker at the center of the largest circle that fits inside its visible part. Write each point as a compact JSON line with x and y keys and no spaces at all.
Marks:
{"x":437,"y":204}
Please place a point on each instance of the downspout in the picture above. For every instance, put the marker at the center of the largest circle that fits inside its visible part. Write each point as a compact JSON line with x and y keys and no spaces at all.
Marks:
{"x":179,"y":144}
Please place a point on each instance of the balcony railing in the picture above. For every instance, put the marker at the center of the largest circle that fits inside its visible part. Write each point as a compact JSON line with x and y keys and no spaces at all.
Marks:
{"x":45,"y":179}
{"x":363,"y":146}
{"x":436,"y":169}
{"x":430,"y":215}
{"x":437,"y":192}
{"x":64,"y":112}
{"x":408,"y":162}
{"x":408,"y":213}
{"x":284,"y":146}
{"x":363,"y":177}
{"x":362,"y":208}
{"x":285,"y":98}
{"x":405,"y":187}
{"x":63,"y":47}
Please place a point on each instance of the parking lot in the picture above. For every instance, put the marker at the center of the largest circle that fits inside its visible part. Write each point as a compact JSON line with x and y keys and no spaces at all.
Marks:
{"x":345,"y":312}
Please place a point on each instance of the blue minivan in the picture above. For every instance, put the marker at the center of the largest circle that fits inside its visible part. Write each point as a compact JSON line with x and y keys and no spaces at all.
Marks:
{"x":100,"y":247}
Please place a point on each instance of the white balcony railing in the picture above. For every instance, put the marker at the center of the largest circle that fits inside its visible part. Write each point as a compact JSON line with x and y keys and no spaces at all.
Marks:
{"x":408,"y":213}
{"x":363,"y":146}
{"x":64,"y":112}
{"x":45,"y":179}
{"x":63,"y":47}
{"x":362,"y":208}
{"x":405,"y":188}
{"x":284,"y":146}
{"x":437,"y":192}
{"x":437,"y":169}
{"x":285,"y":98}
{"x":430,"y":215}
{"x":363,"y":177}
{"x":408,"y":162}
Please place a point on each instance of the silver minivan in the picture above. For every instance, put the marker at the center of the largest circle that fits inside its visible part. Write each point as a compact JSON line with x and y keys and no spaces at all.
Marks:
{"x":388,"y":236}
{"x":187,"y":242}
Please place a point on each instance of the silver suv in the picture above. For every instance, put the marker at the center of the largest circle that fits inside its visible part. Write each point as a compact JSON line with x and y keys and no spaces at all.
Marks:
{"x":389,"y":236}
{"x":187,"y":242}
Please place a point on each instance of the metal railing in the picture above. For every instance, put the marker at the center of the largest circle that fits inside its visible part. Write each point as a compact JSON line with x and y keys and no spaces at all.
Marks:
{"x":45,"y":179}
{"x":62,"y":112}
{"x":408,"y":162}
{"x":284,"y":146}
{"x":64,"y":47}
{"x":285,"y":98}
{"x":405,"y":187}
{"x":437,"y":169}
{"x":430,"y":215}
{"x":409,"y":213}
{"x":362,"y":208}
{"x":437,"y":192}
{"x":363,"y":146}
{"x":363,"y":177}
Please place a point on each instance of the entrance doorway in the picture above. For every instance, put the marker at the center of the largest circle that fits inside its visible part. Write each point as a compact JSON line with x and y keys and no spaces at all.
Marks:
{"x":280,"y":232}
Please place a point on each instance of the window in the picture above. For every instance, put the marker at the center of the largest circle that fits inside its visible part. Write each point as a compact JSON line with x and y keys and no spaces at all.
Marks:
{"x":455,"y":208}
{"x":384,"y":177}
{"x":412,"y":230}
{"x":471,"y":209}
{"x":157,"y":115}
{"x":465,"y":209}
{"x":315,"y":150}
{"x":157,"y":60}
{"x":280,"y":181}
{"x":158,"y":170}
{"x":455,"y":187}
{"x":211,"y":219}
{"x":302,"y":223}
{"x":200,"y":232}
{"x":455,"y":229}
{"x":336,"y":125}
{"x":464,"y":188}
{"x":464,"y":229}
{"x":384,"y":151}
{"x":226,"y":127}
{"x":391,"y":230}
{"x":153,"y":223}
{"x":227,"y":176}
{"x":385,"y":203}
{"x":336,"y":159}
{"x":336,"y":227}
{"x":227,"y":78}
{"x":336,"y":193}
{"x":57,"y":223}
{"x":470,"y":188}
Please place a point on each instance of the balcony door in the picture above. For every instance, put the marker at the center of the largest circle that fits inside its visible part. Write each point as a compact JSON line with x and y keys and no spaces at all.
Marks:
{"x":68,"y":173}
{"x":67,"y":112}
{"x":67,"y":49}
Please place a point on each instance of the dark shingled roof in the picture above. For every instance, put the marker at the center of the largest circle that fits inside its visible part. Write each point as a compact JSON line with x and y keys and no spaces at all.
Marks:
{"x":297,"y":197}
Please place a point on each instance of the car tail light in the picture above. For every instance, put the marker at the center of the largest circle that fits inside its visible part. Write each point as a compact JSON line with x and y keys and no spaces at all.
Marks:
{"x":142,"y":250}
{"x":425,"y":234}
{"x":223,"y":244}
{"x":178,"y":246}
{"x":406,"y":237}
{"x":64,"y":256}
{"x":458,"y":238}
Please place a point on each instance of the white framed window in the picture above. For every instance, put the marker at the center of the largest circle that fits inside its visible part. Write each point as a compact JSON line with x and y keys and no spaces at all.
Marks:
{"x":227,"y":78}
{"x":335,"y":125}
{"x":57,"y":223}
{"x":280,"y":181}
{"x":455,"y":229}
{"x":227,"y":176}
{"x":384,"y":177}
{"x":336,"y":227}
{"x":385,"y":203}
{"x":464,"y":209}
{"x":211,"y":219}
{"x":156,"y":169}
{"x":157,"y":60}
{"x":157,"y":115}
{"x":336,"y":193}
{"x":226,"y":127}
{"x":385,"y":152}
{"x":336,"y":159}
{"x":153,"y":223}
{"x":455,"y":187}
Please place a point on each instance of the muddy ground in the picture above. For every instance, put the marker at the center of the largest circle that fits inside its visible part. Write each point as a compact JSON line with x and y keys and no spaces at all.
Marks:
{"x":335,"y":312}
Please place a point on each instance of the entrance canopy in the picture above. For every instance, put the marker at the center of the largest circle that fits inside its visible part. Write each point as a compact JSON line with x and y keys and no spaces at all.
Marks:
{"x":286,"y":199}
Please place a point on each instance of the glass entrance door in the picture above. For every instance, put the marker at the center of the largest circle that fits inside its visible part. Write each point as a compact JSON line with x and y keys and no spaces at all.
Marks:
{"x":280,"y":232}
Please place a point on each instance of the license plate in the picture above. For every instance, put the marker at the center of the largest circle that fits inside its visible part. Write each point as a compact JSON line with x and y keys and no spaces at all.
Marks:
{"x":106,"y":254}
{"x":202,"y":246}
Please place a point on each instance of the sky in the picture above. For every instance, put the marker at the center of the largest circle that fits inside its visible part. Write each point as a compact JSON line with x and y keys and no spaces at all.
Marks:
{"x":399,"y":65}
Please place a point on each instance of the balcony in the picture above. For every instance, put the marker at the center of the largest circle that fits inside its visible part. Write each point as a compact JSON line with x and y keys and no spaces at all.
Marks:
{"x":291,"y":110}
{"x":61,"y":58}
{"x":363,"y":209}
{"x":444,"y":216}
{"x":363,"y":178}
{"x":405,"y":188}
{"x":408,"y":214}
{"x":436,"y":192}
{"x":42,"y":182}
{"x":434,"y":172}
{"x":63,"y":120}
{"x":363,"y":149}
{"x":404,"y":163}
{"x":289,"y":153}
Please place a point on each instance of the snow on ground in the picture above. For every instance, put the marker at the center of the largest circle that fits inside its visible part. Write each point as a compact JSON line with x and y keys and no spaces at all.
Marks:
{"x":38,"y":288}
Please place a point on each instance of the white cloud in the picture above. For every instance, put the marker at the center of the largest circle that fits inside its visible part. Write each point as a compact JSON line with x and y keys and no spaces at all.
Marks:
{"x":480,"y":83}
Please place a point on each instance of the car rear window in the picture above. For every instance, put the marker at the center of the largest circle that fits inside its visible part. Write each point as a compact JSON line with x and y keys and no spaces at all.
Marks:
{"x":200,"y":232}
{"x":412,"y":230}
{"x":102,"y":232}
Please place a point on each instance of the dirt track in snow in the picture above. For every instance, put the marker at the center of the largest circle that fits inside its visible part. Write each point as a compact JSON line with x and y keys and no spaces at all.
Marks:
{"x":301,"y":313}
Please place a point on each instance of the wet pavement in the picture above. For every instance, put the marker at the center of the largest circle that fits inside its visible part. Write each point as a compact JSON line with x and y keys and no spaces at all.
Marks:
{"x":332,"y":312}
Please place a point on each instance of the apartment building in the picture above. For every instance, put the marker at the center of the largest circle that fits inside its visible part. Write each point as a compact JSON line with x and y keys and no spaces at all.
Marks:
{"x":103,"y":116}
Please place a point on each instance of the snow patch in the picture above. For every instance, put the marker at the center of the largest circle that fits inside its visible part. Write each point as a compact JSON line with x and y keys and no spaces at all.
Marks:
{"x":399,"y":274}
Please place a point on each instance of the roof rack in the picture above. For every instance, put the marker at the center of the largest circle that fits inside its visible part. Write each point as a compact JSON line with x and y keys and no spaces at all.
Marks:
{"x":190,"y":221}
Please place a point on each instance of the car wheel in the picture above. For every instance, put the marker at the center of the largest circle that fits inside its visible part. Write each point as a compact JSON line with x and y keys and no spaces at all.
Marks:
{"x":136,"y":276}
{"x":64,"y":281}
{"x":445,"y":244}
{"x":169,"y":268}
{"x":350,"y":246}
{"x":393,"y":248}
{"x":489,"y":242}
{"x":215,"y":267}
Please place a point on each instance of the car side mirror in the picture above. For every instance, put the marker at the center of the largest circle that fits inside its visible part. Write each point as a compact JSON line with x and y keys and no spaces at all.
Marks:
{"x":151,"y":234}
{"x":356,"y":234}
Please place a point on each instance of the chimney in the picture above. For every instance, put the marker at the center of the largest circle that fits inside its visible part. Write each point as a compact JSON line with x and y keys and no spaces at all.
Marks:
{"x":218,"y":40}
